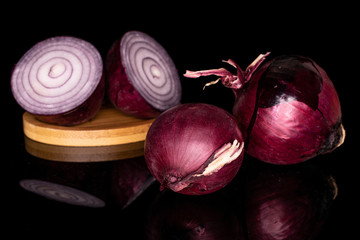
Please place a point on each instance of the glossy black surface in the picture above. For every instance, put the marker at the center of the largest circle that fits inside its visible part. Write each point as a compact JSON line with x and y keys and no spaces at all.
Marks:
{"x":196,"y":38}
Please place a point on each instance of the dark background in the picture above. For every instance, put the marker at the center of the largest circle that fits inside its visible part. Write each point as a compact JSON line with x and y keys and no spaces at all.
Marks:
{"x":196,"y":37}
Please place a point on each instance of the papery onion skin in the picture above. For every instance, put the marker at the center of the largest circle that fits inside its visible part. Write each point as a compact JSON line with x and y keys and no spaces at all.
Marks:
{"x":181,"y":145}
{"x":287,"y":202}
{"x":121,"y":80}
{"x":297,"y":122}
{"x":60,"y":81}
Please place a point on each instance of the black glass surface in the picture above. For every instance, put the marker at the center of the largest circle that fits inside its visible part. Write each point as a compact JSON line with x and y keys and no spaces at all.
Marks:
{"x":196,"y":40}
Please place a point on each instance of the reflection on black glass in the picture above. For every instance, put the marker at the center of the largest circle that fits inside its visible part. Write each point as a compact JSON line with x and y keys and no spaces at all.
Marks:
{"x":263,"y":202}
{"x":287,"y":202}
{"x":84,"y":154}
{"x":174,"y":216}
{"x":55,"y":172}
{"x":130,"y":178}
{"x":61,"y":193}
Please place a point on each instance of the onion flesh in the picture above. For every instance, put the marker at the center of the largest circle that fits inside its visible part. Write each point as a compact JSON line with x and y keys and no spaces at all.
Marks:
{"x":142,"y":78}
{"x":288,"y":108}
{"x":55,"y":79}
{"x":194,"y":149}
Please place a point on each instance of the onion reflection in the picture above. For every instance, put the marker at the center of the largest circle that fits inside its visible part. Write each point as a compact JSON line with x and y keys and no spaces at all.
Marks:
{"x":130,"y":178}
{"x":175,"y":216}
{"x":61,"y":193}
{"x":287,"y":202}
{"x":89,"y":177}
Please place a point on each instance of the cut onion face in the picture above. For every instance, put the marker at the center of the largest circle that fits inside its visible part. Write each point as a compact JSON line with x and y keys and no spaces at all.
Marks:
{"x":60,"y":80}
{"x":142,"y":78}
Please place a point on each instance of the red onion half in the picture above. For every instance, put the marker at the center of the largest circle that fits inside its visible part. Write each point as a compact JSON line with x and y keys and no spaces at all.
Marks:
{"x":141,"y":77}
{"x":194,"y":149}
{"x":60,"y":81}
{"x":288,"y":108}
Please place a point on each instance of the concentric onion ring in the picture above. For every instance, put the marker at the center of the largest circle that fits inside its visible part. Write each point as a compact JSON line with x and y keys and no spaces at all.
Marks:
{"x":56,"y":75}
{"x":150,"y":70}
{"x":61,"y":193}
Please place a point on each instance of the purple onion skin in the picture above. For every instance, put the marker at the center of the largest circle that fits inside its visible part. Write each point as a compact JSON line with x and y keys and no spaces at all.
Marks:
{"x":120,"y":91}
{"x":83,"y":113}
{"x":289,"y":111}
{"x":287,"y":202}
{"x":180,"y":145}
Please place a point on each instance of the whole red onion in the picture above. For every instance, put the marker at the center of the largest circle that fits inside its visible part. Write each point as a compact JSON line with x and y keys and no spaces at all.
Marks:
{"x":194,"y":148}
{"x":288,"y":109}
